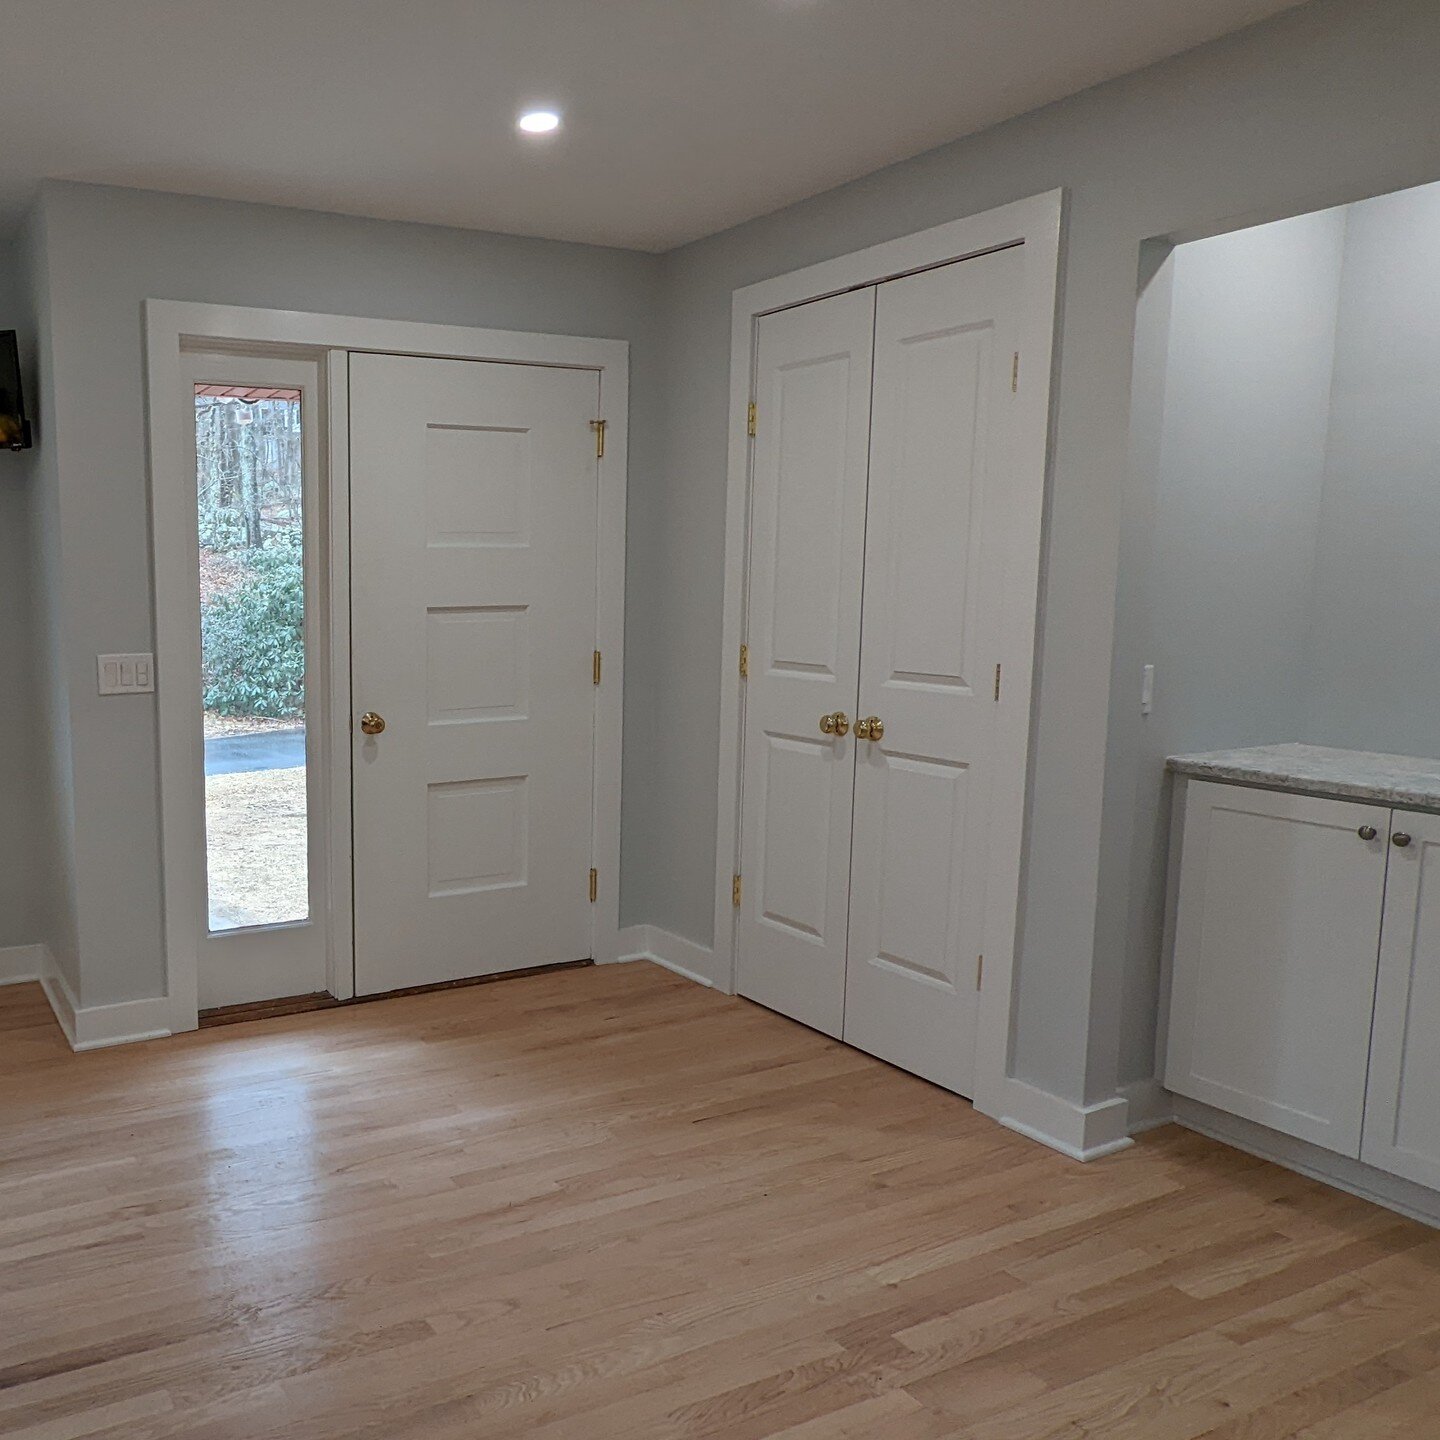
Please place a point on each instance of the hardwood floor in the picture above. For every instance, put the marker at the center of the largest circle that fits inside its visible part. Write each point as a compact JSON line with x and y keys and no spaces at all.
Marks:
{"x":609,"y":1203}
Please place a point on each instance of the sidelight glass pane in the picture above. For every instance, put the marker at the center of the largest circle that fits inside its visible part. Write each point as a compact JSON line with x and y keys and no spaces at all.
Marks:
{"x":250,"y":489}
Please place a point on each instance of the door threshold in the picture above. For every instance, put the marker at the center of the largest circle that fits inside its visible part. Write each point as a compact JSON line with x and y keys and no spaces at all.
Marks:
{"x":322,"y":1000}
{"x":267,"y":1009}
{"x":472,"y":980}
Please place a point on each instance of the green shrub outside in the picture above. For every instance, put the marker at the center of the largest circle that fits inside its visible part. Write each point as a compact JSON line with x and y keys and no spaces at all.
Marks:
{"x":252,"y":634}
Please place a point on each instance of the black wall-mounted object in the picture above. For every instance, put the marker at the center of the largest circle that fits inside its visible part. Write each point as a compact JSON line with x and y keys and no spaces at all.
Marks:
{"x":14,"y":427}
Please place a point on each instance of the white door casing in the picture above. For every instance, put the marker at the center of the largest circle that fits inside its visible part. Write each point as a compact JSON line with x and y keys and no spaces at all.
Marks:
{"x":474,"y":562}
{"x":1402,"y":1104}
{"x":939,"y":540}
{"x":806,"y":560}
{"x":173,"y":328}
{"x":1032,"y":224}
{"x":1273,"y":983}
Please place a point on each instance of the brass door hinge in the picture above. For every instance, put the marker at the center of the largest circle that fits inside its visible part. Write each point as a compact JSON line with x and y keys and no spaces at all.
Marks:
{"x":750,"y":415}
{"x":735,"y":892}
{"x":979,"y":972}
{"x":997,"y":682}
{"x":595,"y":673}
{"x":594,"y":886}
{"x":598,"y":426}
{"x":1015,"y":374}
{"x":744,"y":662}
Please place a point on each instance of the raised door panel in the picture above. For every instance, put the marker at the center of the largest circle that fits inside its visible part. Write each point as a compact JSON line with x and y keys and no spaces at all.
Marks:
{"x":473,"y":520}
{"x":805,"y":571}
{"x":1402,"y":1111}
{"x":807,"y":539}
{"x":934,"y":629}
{"x":1276,"y":933}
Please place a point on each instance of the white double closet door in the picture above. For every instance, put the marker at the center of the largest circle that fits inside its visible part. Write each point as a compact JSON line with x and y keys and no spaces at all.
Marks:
{"x":879,"y":539}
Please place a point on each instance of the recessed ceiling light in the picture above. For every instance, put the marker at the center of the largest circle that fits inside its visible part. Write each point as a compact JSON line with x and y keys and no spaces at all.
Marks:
{"x":539,"y":122}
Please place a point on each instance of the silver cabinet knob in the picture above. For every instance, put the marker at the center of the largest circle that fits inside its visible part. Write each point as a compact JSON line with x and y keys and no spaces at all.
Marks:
{"x":1400,"y":838}
{"x":1367,"y":832}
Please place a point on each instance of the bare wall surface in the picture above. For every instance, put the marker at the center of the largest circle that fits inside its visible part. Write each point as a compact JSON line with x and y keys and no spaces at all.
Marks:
{"x":1325,"y":104}
{"x":1373,"y":658}
{"x":109,"y":250}
{"x":1218,"y":561}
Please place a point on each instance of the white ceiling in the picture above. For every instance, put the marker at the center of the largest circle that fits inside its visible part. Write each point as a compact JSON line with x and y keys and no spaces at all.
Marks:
{"x":682,"y":117}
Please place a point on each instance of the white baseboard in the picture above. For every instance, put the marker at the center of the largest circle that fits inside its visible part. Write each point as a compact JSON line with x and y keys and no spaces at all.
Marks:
{"x":1416,"y":1202}
{"x":1083,"y":1132}
{"x":684,"y":957}
{"x":19,"y":963}
{"x":1150,"y":1105}
{"x":632,"y":941}
{"x":61,"y":997}
{"x":95,"y":1026}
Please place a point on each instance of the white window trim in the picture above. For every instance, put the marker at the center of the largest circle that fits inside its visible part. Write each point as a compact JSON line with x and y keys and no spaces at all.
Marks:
{"x":171,"y":324}
{"x":1035,"y":223}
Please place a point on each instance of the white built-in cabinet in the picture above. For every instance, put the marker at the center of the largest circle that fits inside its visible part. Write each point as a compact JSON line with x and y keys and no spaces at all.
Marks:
{"x":1305,"y":988}
{"x":886,"y":526}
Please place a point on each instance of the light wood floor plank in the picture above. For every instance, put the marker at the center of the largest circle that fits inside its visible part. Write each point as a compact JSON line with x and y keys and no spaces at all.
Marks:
{"x":609,"y":1203}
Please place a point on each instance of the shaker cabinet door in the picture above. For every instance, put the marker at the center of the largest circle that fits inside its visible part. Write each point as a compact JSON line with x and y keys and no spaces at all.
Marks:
{"x":1402,"y":1109}
{"x":1275,"y":958}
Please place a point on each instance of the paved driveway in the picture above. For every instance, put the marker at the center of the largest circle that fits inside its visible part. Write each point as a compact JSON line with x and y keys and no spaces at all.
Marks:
{"x":264,"y":750}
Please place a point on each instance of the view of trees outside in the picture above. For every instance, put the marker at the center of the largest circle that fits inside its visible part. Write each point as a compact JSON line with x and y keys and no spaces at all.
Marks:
{"x":250,"y":491}
{"x":252,"y":574}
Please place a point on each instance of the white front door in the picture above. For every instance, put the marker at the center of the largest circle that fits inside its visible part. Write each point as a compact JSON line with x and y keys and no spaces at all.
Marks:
{"x":473,"y":542}
{"x":937,"y":542}
{"x":806,"y":557}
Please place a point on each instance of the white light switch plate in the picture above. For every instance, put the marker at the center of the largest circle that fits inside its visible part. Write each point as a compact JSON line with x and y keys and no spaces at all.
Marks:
{"x":126,"y":674}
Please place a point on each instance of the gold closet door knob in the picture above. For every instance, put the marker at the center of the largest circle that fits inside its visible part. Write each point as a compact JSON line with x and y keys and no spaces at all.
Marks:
{"x":872,"y":727}
{"x":836,"y":724}
{"x":371,"y":723}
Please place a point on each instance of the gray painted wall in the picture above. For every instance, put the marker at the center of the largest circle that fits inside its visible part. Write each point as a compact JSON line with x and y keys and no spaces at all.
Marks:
{"x":19,"y":922}
{"x":107,"y":251}
{"x":37,"y":902}
{"x":1322,"y":105}
{"x":1374,"y":650}
{"x":1231,"y":413}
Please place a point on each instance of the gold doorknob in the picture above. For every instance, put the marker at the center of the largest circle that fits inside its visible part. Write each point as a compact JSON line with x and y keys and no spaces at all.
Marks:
{"x":371,"y":723}
{"x":836,"y":724}
{"x":872,"y":727}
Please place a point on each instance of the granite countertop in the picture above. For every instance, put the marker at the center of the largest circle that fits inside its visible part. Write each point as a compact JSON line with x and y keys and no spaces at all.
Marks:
{"x":1320,"y":770}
